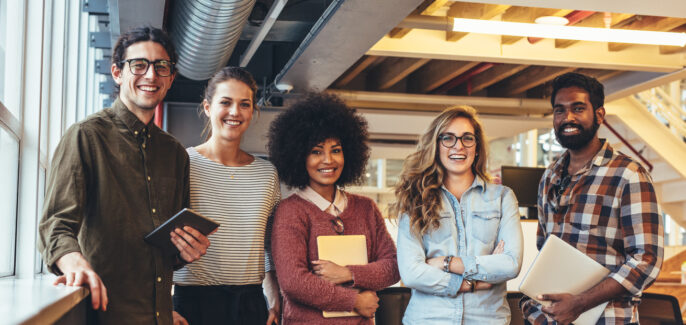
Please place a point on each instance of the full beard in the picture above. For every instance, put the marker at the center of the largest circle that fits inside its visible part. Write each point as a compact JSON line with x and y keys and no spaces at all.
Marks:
{"x":577,"y":141}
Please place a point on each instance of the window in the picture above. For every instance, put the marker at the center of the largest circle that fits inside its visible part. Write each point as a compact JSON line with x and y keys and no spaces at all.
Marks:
{"x":9,"y":164}
{"x":3,"y":46}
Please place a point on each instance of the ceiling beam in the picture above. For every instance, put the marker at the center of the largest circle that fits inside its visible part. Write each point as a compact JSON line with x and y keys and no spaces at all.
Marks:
{"x":650,"y":23}
{"x":437,"y":103}
{"x":601,"y":75}
{"x":473,"y":11}
{"x":360,"y":66}
{"x":438,"y":72}
{"x":494,"y":75}
{"x":344,"y":32}
{"x":427,"y":7}
{"x":423,"y":43}
{"x":530,"y":78}
{"x":391,"y":71}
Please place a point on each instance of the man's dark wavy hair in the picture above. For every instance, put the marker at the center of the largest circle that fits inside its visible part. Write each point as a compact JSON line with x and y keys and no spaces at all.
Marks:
{"x":310,"y":121}
{"x":592,"y":86}
{"x":141,"y":34}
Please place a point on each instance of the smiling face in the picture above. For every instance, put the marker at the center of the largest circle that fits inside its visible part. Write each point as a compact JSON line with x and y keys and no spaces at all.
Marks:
{"x":324,"y":165}
{"x":575,"y":121}
{"x":142,"y":92}
{"x":458,"y":159}
{"x":231,"y":110}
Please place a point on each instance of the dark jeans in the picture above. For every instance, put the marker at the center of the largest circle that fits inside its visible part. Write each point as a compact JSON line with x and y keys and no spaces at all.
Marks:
{"x":204,"y":305}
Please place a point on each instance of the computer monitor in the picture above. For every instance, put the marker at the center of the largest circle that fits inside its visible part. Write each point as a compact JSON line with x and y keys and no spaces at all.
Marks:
{"x":524,"y":182}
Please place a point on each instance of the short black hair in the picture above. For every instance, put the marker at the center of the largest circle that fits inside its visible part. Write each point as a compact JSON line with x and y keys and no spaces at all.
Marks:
{"x":310,"y":121}
{"x":142,"y":34}
{"x":592,"y":86}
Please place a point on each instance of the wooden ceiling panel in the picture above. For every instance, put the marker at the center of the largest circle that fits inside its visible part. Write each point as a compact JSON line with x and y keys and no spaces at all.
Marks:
{"x":427,"y":7}
{"x":529,"y":78}
{"x":393,"y":70}
{"x":438,"y":72}
{"x":494,"y":75}
{"x":358,"y":67}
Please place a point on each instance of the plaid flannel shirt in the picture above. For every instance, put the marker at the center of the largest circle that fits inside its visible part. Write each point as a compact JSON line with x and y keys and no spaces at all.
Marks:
{"x":609,"y":212}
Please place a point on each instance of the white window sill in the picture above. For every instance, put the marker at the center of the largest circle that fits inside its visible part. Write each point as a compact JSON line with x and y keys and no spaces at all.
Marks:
{"x":36,"y":300}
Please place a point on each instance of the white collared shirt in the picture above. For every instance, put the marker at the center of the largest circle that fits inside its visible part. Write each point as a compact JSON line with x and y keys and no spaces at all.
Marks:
{"x":340,"y":202}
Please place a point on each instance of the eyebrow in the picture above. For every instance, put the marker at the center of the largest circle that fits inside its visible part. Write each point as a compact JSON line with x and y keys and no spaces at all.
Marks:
{"x":244,"y":99}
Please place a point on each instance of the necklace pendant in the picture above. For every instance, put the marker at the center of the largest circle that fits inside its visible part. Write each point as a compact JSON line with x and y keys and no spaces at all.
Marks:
{"x":231,"y":176}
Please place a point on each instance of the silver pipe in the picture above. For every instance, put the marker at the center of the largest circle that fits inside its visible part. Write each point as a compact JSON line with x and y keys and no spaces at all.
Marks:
{"x":205,"y":33}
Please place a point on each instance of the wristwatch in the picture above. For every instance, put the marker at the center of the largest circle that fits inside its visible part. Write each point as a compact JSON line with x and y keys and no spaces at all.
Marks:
{"x":471,"y":284}
{"x":446,"y":264}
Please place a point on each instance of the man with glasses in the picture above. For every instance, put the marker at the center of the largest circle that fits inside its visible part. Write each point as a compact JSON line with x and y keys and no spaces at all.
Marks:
{"x":115,"y":176}
{"x":601,"y":202}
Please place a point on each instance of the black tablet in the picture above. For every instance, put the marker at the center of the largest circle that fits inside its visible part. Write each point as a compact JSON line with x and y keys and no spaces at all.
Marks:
{"x":160,"y":237}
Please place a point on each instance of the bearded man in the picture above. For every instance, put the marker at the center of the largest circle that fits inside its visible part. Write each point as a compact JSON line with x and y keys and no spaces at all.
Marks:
{"x":601,"y":202}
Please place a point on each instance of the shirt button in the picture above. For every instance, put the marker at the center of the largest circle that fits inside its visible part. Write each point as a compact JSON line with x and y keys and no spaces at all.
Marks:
{"x":159,"y":279}
{"x":157,"y":314}
{"x":148,"y":178}
{"x":135,"y":132}
{"x":153,"y":210}
{"x":144,"y":146}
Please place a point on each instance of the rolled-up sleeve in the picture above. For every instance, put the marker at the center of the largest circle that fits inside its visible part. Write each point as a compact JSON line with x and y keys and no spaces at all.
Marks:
{"x":66,"y":197}
{"x":414,"y":271}
{"x":642,"y":231}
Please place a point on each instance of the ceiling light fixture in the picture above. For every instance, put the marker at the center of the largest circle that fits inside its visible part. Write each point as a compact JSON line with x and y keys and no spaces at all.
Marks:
{"x":568,"y":32}
{"x":552,"y":20}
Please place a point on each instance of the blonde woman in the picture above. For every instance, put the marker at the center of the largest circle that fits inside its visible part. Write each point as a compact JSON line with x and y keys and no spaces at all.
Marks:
{"x":459,"y":237}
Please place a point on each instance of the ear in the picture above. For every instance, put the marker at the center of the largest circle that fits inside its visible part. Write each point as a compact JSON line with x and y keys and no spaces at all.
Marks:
{"x":600,"y":114}
{"x":206,"y":107}
{"x":116,"y":74}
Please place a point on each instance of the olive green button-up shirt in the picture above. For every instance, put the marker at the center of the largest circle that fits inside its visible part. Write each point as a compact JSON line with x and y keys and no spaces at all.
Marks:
{"x":112,"y":180}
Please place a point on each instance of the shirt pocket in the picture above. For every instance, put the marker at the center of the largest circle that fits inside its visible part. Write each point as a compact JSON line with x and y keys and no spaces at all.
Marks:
{"x":485,"y":225}
{"x":591,"y":211}
{"x":438,"y":241}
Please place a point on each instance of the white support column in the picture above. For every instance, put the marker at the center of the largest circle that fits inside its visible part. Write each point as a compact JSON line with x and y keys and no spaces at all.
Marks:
{"x":381,"y":173}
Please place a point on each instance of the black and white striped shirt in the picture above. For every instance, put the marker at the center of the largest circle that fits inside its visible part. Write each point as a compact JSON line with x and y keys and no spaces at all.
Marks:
{"x":242,"y":199}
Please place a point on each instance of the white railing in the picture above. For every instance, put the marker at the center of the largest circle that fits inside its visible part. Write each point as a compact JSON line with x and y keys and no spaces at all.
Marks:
{"x":671,"y":113}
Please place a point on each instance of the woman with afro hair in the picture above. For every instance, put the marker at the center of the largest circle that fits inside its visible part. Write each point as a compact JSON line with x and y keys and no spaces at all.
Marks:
{"x":318,"y":146}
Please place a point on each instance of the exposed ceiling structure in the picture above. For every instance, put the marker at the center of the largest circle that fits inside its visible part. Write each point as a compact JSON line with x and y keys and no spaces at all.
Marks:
{"x":402,"y":55}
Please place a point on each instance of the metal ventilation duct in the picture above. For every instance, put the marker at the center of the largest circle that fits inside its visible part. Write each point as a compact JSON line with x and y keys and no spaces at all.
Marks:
{"x":205,"y":33}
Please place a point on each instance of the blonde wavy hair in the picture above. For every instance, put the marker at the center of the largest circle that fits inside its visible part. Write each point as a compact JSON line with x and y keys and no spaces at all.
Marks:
{"x":418,"y":192}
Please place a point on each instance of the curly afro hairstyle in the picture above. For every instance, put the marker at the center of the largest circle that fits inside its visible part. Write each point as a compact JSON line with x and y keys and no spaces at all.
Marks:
{"x":310,"y":121}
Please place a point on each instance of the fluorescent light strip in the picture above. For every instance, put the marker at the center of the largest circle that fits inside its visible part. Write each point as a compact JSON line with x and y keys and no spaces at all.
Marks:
{"x":568,"y":32}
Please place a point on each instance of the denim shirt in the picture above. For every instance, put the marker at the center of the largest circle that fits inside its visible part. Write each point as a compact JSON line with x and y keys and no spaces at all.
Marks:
{"x":470,"y":229}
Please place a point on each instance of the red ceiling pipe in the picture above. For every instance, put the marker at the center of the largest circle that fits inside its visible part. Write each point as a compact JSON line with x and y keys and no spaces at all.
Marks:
{"x":159,"y":115}
{"x":469,"y":74}
{"x":573,"y":18}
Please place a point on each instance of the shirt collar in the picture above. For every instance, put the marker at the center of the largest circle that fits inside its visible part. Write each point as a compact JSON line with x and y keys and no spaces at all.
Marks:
{"x":601,"y":158}
{"x":323,"y":204}
{"x":131,"y":120}
{"x":478,"y":182}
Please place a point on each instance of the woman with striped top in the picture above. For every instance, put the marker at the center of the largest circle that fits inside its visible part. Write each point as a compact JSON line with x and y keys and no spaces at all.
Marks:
{"x":319,"y":145}
{"x":241,"y":192}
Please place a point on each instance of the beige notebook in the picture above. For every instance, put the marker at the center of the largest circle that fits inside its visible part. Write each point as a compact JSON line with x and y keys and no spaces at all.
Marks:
{"x":559,"y":268}
{"x":342,"y":250}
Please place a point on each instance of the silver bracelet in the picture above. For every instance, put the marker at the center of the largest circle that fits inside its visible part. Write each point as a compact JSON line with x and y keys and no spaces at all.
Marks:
{"x":446,"y":264}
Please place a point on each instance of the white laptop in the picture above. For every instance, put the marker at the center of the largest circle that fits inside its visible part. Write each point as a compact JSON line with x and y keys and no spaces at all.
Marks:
{"x":561,"y":268}
{"x":342,"y":250}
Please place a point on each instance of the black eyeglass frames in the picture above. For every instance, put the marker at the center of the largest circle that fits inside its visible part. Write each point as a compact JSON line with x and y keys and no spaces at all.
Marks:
{"x":163,"y":68}
{"x":449,"y":140}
